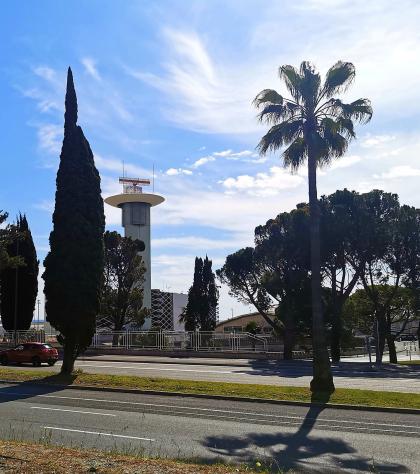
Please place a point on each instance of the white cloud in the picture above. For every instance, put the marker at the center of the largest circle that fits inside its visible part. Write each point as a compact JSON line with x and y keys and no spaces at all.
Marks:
{"x":177,"y":171}
{"x":264,"y":184}
{"x":202,"y":161}
{"x":230,"y":155}
{"x":90,"y":68}
{"x":45,"y":205}
{"x":50,"y":138}
{"x":374,"y":141}
{"x":345,"y":162}
{"x":112,"y":164}
{"x":202,"y":243}
{"x":403,"y":171}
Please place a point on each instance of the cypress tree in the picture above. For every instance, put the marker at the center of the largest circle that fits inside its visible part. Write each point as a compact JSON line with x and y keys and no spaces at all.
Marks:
{"x":74,"y":265}
{"x":191,"y":315}
{"x":210,"y":297}
{"x":21,"y":281}
{"x":200,"y":312}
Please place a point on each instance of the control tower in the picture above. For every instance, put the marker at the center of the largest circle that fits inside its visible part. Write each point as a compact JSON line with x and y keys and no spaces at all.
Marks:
{"x":135,"y":206}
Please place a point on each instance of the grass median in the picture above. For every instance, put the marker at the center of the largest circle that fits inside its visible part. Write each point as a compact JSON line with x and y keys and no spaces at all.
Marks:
{"x":37,"y":458}
{"x":269,"y":392}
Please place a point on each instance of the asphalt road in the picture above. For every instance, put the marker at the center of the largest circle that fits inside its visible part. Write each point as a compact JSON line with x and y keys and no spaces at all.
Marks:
{"x":347,"y":375}
{"x":292,"y":437}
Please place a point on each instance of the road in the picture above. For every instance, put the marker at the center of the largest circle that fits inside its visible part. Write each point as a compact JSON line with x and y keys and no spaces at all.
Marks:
{"x":300,"y":438}
{"x":347,"y":375}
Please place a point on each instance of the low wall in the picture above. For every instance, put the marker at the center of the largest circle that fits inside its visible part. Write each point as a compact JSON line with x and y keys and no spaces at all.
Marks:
{"x":186,"y":354}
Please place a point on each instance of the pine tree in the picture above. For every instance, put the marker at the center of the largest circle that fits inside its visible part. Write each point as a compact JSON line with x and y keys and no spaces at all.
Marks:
{"x":21,"y":281}
{"x":74,"y":265}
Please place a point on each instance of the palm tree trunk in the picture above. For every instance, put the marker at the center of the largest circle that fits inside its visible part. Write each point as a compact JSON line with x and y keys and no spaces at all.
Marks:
{"x":322,"y":377}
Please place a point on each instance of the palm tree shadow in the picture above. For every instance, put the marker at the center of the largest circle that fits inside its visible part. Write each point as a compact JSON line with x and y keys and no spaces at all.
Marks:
{"x":299,"y":450}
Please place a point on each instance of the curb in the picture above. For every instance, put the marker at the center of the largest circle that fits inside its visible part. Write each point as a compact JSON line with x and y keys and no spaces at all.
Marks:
{"x":340,"y":406}
{"x":264,"y":363}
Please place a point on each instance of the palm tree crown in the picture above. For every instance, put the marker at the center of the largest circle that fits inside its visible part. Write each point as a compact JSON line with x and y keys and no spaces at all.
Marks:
{"x":312,"y":118}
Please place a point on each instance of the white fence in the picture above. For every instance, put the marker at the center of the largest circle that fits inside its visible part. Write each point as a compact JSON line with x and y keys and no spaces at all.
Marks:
{"x":198,"y":341}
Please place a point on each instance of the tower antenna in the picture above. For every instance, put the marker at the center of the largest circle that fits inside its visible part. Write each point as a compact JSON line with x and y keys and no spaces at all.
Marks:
{"x":153,"y":181}
{"x":123,"y":169}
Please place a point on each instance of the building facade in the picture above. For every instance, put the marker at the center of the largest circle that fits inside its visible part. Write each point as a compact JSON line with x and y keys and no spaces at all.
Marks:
{"x":167,"y":309}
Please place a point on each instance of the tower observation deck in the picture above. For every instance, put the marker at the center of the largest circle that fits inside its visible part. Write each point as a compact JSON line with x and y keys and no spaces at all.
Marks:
{"x":135,"y":206}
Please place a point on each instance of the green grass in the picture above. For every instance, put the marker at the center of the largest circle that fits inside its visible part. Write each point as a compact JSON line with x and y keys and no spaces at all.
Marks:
{"x":409,"y":362}
{"x":302,"y":394}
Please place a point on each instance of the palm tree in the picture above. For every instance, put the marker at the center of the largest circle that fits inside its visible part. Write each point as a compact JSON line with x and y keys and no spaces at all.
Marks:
{"x":315,"y":127}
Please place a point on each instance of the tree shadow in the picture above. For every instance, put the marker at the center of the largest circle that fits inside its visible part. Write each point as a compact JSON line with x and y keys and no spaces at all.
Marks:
{"x":299,"y":368}
{"x":298,"y":450}
{"x":11,"y":391}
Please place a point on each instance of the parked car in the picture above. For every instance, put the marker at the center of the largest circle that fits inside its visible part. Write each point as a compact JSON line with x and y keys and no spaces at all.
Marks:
{"x":407,"y":337}
{"x":30,"y":352}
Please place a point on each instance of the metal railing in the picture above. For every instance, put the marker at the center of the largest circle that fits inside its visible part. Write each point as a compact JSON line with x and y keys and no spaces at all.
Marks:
{"x":198,"y":341}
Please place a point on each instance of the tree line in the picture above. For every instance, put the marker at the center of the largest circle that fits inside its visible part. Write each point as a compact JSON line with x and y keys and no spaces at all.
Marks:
{"x":370,"y":269}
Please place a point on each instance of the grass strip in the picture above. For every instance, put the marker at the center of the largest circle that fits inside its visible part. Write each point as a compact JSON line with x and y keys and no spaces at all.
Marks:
{"x":34,"y":458}
{"x":409,"y":362}
{"x":271,"y":392}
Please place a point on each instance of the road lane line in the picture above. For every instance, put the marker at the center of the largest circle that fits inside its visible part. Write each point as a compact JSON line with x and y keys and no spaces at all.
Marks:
{"x":74,"y":411}
{"x":97,"y":433}
{"x":122,"y":402}
{"x":161,"y":369}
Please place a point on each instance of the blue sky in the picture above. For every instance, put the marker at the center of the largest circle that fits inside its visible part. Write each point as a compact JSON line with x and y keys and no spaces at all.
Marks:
{"x":170,"y":84}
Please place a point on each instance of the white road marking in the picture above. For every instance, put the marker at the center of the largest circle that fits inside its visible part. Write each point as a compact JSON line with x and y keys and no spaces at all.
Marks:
{"x":162,"y":369}
{"x":74,"y":411}
{"x":97,"y":433}
{"x":215,"y":410}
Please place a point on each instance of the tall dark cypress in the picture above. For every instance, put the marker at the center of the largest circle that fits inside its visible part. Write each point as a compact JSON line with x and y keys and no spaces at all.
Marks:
{"x":21,"y":281}
{"x":191,"y":315}
{"x":74,"y":265}
{"x":200,"y":312}
{"x":210,"y":297}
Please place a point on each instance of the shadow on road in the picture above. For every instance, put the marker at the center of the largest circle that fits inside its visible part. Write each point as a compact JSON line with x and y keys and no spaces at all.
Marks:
{"x":42,"y":386}
{"x":299,"y":368}
{"x":298,"y":450}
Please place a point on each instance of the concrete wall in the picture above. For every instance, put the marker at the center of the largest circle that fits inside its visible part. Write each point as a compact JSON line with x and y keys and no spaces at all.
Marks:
{"x":136,"y":223}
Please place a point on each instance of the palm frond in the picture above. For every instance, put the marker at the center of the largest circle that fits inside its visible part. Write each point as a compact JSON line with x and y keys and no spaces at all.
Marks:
{"x":292,"y":79}
{"x":295,"y":155}
{"x":280,"y":135}
{"x":338,"y":78}
{"x":329,"y":144}
{"x":275,"y":113}
{"x":310,"y":83}
{"x":340,"y":125}
{"x":268,"y":95}
{"x":360,"y":110}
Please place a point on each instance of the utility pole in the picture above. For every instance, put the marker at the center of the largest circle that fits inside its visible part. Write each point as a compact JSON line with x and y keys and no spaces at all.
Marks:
{"x":38,"y":303}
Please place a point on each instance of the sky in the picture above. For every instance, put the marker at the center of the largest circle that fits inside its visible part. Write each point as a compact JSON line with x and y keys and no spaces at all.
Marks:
{"x":169,"y":84}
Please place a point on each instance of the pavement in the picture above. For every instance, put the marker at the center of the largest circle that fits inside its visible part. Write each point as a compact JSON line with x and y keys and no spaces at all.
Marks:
{"x":314,"y":439}
{"x":281,"y":373}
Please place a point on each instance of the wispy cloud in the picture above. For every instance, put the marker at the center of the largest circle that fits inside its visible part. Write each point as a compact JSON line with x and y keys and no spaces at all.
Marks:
{"x":264,"y":184}
{"x":90,"y":68}
{"x":178,"y":171}
{"x":50,"y":138}
{"x":403,"y":171}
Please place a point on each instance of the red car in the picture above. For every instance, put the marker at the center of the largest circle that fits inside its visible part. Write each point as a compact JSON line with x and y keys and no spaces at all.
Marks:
{"x":33,"y":352}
